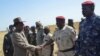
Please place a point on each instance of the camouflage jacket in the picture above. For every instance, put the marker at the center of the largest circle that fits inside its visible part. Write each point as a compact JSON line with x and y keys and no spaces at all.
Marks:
{"x":88,"y":42}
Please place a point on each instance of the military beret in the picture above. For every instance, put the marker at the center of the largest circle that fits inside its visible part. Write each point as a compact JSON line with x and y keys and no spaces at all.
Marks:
{"x":88,"y":3}
{"x":60,"y":18}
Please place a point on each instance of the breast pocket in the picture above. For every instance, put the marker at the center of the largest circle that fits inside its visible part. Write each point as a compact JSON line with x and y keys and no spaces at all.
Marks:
{"x":67,"y":42}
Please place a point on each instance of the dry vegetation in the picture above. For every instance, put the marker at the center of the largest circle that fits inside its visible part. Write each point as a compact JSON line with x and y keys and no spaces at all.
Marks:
{"x":1,"y":42}
{"x":52,"y":28}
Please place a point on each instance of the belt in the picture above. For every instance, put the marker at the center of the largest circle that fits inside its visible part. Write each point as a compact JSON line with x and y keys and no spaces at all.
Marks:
{"x":66,"y":50}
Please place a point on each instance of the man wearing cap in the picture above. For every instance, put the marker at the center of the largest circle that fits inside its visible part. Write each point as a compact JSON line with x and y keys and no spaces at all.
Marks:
{"x":20,"y":43}
{"x":27,"y":33}
{"x":33,"y":38}
{"x":39,"y":35}
{"x":88,"y":42}
{"x":64,"y":36}
{"x":70,"y":23}
{"x":33,"y":35}
{"x":48,"y":50}
{"x":7,"y":44}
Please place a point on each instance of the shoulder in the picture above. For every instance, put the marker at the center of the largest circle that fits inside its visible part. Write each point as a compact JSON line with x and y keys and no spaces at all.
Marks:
{"x":15,"y":34}
{"x":97,"y":18}
{"x":50,"y":34}
{"x":69,"y":28}
{"x":6,"y":36}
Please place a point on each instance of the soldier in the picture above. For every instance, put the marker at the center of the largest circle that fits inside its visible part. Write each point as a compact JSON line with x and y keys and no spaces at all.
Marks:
{"x":7,"y":44}
{"x":39,"y":35}
{"x":64,"y":37}
{"x":88,"y":42}
{"x":33,"y":39}
{"x":82,"y":20}
{"x":20,"y":43}
{"x":33,"y":35}
{"x":27,"y":33}
{"x":70,"y":22}
{"x":48,"y":50}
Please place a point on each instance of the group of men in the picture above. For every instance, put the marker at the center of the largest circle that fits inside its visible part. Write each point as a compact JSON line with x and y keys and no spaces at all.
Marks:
{"x":40,"y":43}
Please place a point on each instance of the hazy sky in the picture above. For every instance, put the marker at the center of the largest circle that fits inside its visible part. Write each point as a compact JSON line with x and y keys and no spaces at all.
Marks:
{"x":40,"y":10}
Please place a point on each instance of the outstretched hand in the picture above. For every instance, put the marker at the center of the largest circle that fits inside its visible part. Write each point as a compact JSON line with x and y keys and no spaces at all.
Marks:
{"x":42,"y":46}
{"x":38,"y":48}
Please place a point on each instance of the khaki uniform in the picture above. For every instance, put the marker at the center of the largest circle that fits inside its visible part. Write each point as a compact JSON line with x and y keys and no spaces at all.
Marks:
{"x":65,"y":40}
{"x":46,"y":51}
{"x":21,"y":45}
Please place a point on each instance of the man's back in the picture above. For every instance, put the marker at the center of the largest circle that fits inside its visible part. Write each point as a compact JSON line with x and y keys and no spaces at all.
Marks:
{"x":7,"y":45}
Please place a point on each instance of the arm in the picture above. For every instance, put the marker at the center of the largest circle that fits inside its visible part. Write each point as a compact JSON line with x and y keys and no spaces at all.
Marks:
{"x":5,"y":45}
{"x":47,"y":43}
{"x":17,"y":39}
{"x":73,"y":35}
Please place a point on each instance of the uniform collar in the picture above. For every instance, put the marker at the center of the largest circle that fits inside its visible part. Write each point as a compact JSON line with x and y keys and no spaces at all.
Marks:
{"x":91,"y":17}
{"x":63,"y":28}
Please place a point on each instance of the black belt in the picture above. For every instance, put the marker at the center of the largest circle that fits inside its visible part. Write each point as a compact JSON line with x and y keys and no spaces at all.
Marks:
{"x":66,"y":50}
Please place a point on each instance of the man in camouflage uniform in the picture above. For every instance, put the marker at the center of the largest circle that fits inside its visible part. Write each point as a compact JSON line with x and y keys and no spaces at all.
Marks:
{"x":33,"y":39}
{"x":48,"y":50}
{"x":27,"y":33}
{"x":88,"y":42}
{"x":64,"y":36}
{"x":33,"y":35}
{"x":39,"y":35}
{"x":7,"y":44}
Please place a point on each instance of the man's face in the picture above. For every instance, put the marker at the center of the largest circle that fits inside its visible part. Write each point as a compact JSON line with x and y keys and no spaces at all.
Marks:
{"x":26,"y":29}
{"x":33,"y":29}
{"x":20,"y":26}
{"x":46,"y":30}
{"x":11,"y":28}
{"x":37,"y":25}
{"x":86,"y":11}
{"x":60,"y":24}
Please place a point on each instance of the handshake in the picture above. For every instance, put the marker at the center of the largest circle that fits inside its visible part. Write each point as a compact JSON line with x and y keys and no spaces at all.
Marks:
{"x":39,"y":47}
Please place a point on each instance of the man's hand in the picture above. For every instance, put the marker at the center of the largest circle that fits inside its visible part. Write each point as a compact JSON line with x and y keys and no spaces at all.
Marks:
{"x":37,"y":48}
{"x":42,"y":46}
